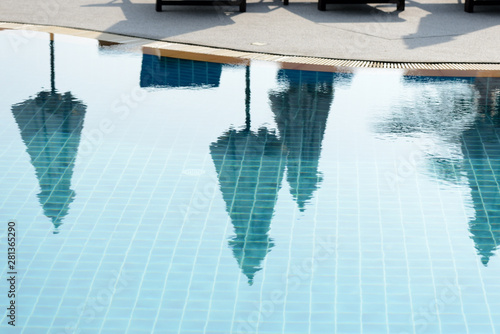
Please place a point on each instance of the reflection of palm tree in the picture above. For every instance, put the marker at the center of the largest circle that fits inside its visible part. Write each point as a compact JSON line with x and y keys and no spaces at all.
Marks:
{"x":453,"y":114}
{"x":50,"y":126}
{"x":301,"y":112}
{"x":442,"y":107}
{"x":450,"y":114}
{"x":436,"y":109}
{"x":250,"y":169}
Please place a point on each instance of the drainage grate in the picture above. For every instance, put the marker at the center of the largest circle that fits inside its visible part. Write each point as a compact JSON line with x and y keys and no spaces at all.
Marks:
{"x":204,"y":53}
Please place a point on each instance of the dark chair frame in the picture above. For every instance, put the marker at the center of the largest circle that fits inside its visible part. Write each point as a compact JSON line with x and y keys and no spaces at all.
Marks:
{"x":469,"y":4}
{"x":241,"y":3}
{"x":322,"y":3}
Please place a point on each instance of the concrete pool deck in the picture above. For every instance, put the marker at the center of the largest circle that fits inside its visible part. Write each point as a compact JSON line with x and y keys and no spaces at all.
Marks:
{"x":427,"y":31}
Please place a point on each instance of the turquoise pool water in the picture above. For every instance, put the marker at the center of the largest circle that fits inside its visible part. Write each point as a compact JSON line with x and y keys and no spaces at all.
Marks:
{"x":171,"y":196}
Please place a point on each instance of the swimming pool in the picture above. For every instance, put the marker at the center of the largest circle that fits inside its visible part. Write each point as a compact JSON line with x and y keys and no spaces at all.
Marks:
{"x":174,"y":196}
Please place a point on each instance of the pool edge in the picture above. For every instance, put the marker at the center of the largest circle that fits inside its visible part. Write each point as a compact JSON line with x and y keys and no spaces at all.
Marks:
{"x":228,"y":56}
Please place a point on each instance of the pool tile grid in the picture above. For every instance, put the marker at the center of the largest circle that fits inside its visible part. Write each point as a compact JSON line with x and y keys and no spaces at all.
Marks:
{"x":365,"y":269}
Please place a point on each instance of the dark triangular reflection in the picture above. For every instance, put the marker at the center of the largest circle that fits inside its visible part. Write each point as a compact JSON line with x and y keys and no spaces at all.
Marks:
{"x":50,"y":126}
{"x":301,"y":112}
{"x":481,"y":148}
{"x":172,"y":72}
{"x":250,"y":169}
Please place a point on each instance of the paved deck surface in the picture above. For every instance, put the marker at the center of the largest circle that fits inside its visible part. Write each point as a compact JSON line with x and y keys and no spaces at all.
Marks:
{"x":427,"y":31}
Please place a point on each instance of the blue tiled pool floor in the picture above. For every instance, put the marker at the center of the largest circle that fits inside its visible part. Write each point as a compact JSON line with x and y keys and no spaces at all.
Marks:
{"x":173,"y":196}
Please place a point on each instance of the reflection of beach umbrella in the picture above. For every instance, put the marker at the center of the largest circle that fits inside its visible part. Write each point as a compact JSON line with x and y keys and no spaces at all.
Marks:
{"x":50,"y":126}
{"x":171,"y":72}
{"x":301,"y":112}
{"x":480,"y":145}
{"x":249,"y":168}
